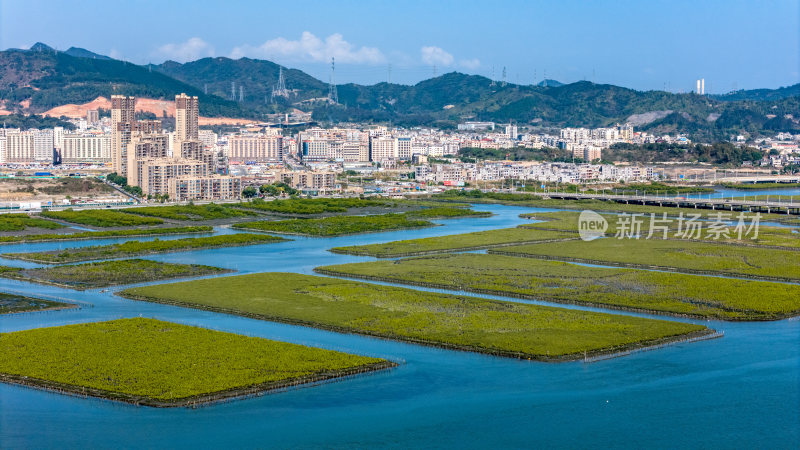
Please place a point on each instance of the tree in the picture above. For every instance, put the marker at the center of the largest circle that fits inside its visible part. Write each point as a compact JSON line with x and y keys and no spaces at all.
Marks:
{"x":249,"y":192}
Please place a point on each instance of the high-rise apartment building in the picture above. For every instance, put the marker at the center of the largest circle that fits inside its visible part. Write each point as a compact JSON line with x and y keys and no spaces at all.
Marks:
{"x":43,"y":146}
{"x":92,"y":116}
{"x":404,"y":148}
{"x":143,"y":148}
{"x":122,"y":117}
{"x":187,"y":113}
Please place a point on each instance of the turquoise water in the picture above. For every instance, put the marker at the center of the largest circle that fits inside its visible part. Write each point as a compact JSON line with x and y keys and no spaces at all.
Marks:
{"x":743,"y":194}
{"x":739,"y":391}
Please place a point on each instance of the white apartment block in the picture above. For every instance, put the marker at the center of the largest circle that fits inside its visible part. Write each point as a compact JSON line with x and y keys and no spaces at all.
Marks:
{"x":316,"y":149}
{"x":382,"y":148}
{"x":208,"y":138}
{"x":84,"y":149}
{"x":313,"y":180}
{"x":255,"y":148}
{"x":213,"y":187}
{"x":43,"y":146}
{"x":404,"y":148}
{"x":157,"y":173}
{"x":19,"y":147}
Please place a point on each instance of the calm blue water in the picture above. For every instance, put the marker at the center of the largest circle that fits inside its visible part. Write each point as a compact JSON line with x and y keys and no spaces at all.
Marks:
{"x":729,"y":193}
{"x":739,"y":391}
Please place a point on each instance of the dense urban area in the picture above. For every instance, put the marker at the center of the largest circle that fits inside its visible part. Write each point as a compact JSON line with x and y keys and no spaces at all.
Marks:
{"x":146,"y":162}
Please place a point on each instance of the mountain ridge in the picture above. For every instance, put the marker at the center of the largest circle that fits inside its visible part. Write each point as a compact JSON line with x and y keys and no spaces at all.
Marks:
{"x":42,"y":77}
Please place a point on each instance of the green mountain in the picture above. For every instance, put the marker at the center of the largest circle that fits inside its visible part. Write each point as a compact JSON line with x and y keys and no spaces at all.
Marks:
{"x":253,"y":78}
{"x":45,"y":78}
{"x":761,"y":94}
{"x":83,"y":53}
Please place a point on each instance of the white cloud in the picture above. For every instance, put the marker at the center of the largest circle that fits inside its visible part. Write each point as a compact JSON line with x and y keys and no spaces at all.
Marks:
{"x":192,"y":49}
{"x":436,"y":56}
{"x":470,"y":64}
{"x":311,"y":48}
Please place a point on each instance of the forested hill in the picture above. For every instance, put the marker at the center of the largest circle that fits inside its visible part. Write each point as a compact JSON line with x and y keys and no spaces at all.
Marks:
{"x":761,"y":94}
{"x":256,"y":78}
{"x":35,"y":80}
{"x":46,"y":78}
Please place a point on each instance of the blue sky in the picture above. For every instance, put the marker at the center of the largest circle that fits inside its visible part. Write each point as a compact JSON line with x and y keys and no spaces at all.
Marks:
{"x":638,"y":44}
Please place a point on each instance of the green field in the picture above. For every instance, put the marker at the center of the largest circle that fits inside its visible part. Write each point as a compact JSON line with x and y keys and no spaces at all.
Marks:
{"x":458,"y":322}
{"x":676,"y":255}
{"x":108,"y":273}
{"x":156,"y":363}
{"x":12,"y":303}
{"x":190,"y":212}
{"x":336,"y":225}
{"x":767,"y":236}
{"x":19,"y":222}
{"x":140,"y":248}
{"x":103,"y":218}
{"x":455,"y":242}
{"x":660,"y":292}
{"x":88,"y":235}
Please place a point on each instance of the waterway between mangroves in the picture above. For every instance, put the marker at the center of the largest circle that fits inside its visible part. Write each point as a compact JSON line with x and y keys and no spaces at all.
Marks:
{"x":742,"y":390}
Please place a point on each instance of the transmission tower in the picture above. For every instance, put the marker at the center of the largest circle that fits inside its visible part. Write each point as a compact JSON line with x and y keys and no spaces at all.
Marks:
{"x":333,"y":96}
{"x":492,"y":84}
{"x":504,"y":77}
{"x":233,"y":91}
{"x":241,"y":93}
{"x":205,"y":88}
{"x":279,"y":90}
{"x":389,"y":76}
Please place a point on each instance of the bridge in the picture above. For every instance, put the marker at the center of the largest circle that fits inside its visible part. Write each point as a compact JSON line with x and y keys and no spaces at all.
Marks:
{"x":777,"y":206}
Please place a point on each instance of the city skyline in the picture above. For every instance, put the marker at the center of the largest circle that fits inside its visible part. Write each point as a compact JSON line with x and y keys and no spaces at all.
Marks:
{"x":641,"y":46}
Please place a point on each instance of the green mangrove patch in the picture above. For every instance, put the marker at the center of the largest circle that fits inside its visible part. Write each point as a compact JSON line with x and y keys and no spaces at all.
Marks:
{"x":108,"y":273}
{"x":13,"y":303}
{"x":336,"y":225}
{"x":156,"y":363}
{"x":88,"y":235}
{"x":629,"y":289}
{"x":103,"y":218}
{"x":659,"y":222}
{"x":189,"y":212}
{"x":20,"y":222}
{"x":139,"y":248}
{"x":449,"y":321}
{"x":455,"y":242}
{"x":674,"y":255}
